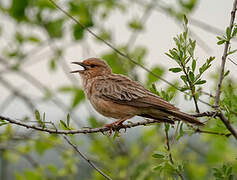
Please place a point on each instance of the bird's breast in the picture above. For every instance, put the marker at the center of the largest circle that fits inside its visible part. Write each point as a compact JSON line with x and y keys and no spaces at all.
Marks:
{"x":111,"y":109}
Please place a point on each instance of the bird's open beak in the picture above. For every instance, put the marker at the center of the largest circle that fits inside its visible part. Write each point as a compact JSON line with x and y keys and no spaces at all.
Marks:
{"x":82,"y":65}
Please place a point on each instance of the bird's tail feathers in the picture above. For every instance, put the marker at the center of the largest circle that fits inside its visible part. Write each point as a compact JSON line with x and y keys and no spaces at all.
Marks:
{"x":160,"y":119}
{"x":186,"y":117}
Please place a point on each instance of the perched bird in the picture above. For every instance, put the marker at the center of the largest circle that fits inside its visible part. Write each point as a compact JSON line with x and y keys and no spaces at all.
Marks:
{"x":117,"y":96}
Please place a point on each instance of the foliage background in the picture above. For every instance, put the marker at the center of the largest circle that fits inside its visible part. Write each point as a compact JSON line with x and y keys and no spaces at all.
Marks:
{"x":38,"y":42}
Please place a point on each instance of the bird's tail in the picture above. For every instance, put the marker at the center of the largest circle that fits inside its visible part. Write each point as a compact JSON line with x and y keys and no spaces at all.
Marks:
{"x":176,"y":116}
{"x":186,"y":117}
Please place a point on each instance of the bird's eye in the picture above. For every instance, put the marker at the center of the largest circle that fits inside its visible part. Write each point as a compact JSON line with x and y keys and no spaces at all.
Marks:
{"x":92,"y":65}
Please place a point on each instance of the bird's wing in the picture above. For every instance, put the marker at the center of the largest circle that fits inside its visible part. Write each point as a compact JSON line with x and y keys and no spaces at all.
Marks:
{"x":123,"y":90}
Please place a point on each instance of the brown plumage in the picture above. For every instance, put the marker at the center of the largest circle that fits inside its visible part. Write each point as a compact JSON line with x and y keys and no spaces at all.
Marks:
{"x":117,"y":96}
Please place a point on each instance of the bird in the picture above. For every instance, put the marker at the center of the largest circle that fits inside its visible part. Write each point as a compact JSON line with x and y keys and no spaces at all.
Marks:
{"x":119,"y":97}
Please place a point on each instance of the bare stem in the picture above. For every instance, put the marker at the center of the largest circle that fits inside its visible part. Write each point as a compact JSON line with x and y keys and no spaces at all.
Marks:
{"x":224,"y":56}
{"x":170,"y":155}
{"x":85,"y":158}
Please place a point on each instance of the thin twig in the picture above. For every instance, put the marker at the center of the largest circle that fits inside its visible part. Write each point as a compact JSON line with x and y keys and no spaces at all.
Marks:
{"x":85,"y":158}
{"x":232,"y":61}
{"x":191,"y":88}
{"x":198,"y":130}
{"x":227,"y":124}
{"x":119,"y":52}
{"x":170,"y":155}
{"x":224,"y":56}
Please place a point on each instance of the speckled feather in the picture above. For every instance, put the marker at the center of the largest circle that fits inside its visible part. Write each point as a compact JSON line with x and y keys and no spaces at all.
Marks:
{"x":117,"y":96}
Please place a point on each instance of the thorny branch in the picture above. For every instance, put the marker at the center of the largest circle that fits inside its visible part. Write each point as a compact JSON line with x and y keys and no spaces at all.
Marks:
{"x":224,"y":56}
{"x":85,"y":158}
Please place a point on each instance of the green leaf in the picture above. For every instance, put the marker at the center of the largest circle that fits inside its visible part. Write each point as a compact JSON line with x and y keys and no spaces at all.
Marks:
{"x":33,"y":39}
{"x":199,"y":82}
{"x":221,"y":42}
{"x":185,"y":20}
{"x":151,"y":79}
{"x":3,"y":123}
{"x":78,"y":97}
{"x":193,"y":65}
{"x":227,"y":73}
{"x":78,"y":32}
{"x":55,"y":28}
{"x":167,"y":127}
{"x":175,"y":70}
{"x":68,"y":120}
{"x":63,"y":124}
{"x":229,"y":171}
{"x":158,"y":168}
{"x":184,"y":78}
{"x":158,"y":155}
{"x":191,"y":76}
{"x":234,"y":32}
{"x":67,"y":89}
{"x":41,"y":146}
{"x":231,"y":52}
{"x":37,"y":116}
{"x":18,"y":9}
{"x":52,"y":64}
{"x":228,"y":33}
{"x":136,"y":25}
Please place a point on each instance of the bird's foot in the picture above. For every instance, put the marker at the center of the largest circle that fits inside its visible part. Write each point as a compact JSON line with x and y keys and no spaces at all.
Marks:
{"x":114,"y":125}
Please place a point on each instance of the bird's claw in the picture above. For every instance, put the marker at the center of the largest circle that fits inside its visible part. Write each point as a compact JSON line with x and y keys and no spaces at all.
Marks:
{"x":113,"y":126}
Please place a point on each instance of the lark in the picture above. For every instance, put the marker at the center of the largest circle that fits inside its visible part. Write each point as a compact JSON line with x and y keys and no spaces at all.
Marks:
{"x":119,"y":97}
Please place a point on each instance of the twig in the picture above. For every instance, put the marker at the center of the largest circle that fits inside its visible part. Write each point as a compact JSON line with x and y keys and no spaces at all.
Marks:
{"x":119,"y":52}
{"x":232,"y":61}
{"x":190,"y":87}
{"x":170,"y":155}
{"x":224,"y":56}
{"x":85,"y":158}
{"x":222,"y":118}
{"x":211,"y":132}
{"x":227,"y":124}
{"x":79,"y":131}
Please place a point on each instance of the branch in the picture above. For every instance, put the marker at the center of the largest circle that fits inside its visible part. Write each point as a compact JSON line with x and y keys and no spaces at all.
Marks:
{"x":224,"y":56}
{"x":85,"y":158}
{"x":170,"y":155}
{"x":222,"y":118}
{"x":227,"y":124}
{"x":117,"y":128}
{"x":211,"y":132}
{"x":79,"y":131}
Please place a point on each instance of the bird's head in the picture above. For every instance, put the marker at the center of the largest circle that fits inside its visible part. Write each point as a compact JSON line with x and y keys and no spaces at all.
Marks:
{"x":92,"y":67}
